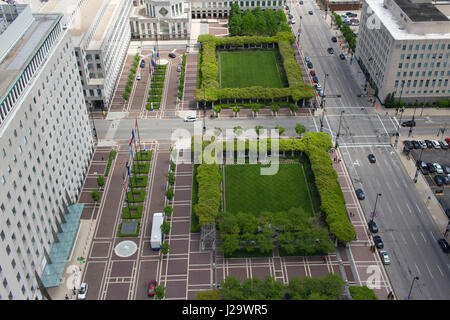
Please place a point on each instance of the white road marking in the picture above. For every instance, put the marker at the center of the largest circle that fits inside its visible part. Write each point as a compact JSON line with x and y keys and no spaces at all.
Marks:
{"x":382,"y":124}
{"x":408,"y":207}
{"x":432,"y":236}
{"x":412,"y":235}
{"x":429,"y":270}
{"x":417,"y":206}
{"x":440,"y":270}
{"x":418,"y":271}
{"x":401,"y":234}
{"x":423,"y":236}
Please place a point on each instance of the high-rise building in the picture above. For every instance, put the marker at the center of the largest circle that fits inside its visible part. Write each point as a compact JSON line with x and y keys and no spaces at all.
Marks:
{"x":46,"y":145}
{"x":403,"y":47}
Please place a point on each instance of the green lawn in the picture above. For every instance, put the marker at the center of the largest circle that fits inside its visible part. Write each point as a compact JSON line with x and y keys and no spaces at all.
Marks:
{"x":246,"y":190}
{"x":241,"y":69}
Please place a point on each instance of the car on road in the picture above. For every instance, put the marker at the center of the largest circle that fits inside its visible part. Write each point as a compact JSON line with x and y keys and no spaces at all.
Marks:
{"x":321,"y":94}
{"x":330,"y":50}
{"x":423,"y":167}
{"x":372,"y":158}
{"x":292,"y":21}
{"x":334,"y":39}
{"x":372,"y":226}
{"x":378,"y":242}
{"x":317,"y":86}
{"x":179,"y":69}
{"x":342,"y":56}
{"x":310,"y":12}
{"x":436,"y":144}
{"x":431,"y":167}
{"x":443,"y":144}
{"x":312,"y":73}
{"x":438,"y":167}
{"x":151,"y":288}
{"x":172,"y":55}
{"x":190,"y":119}
{"x":422,"y":143}
{"x":416,"y":144}
{"x":307,"y":59}
{"x":310,"y":65}
{"x":83,"y":291}
{"x":444,"y":245}
{"x":429,"y":144}
{"x":409,"y":123}
{"x":138,"y":77}
{"x":360,"y":194}
{"x":439,"y":180}
{"x":315,"y":79}
{"x":142,"y":63}
{"x":384,"y":257}
{"x":446,"y":168}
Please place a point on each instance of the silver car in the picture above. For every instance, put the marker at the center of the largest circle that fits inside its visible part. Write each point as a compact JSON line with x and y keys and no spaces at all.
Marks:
{"x":190,"y":119}
{"x":438,"y":168}
{"x":307,"y":59}
{"x":422,"y":143}
{"x":384,"y":257}
{"x":436,"y":144}
{"x":83,"y":290}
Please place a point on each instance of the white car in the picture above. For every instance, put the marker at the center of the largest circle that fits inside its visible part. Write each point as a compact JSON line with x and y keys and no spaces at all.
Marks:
{"x":438,"y":168}
{"x":435,"y":144}
{"x":138,"y":77}
{"x":384,"y":257}
{"x":292,"y":21}
{"x":83,"y":290}
{"x":190,"y":119}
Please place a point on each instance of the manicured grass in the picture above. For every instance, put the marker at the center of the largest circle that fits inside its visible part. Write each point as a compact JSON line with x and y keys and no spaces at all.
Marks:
{"x":138,"y":181}
{"x":242,"y":69}
{"x":246,"y":190}
{"x":136,"y":212}
{"x":143,"y":156}
{"x":137,"y":195}
{"x":141,"y":168}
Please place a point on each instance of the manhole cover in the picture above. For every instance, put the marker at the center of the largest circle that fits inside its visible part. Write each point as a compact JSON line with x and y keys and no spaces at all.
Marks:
{"x":125,"y":248}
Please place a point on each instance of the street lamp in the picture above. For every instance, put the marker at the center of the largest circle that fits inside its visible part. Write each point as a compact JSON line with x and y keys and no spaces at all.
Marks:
{"x":375,"y":207}
{"x":93,"y":124}
{"x":398,"y":126}
{"x":321,"y":120}
{"x":324,"y":83}
{"x":417,"y":166}
{"x":339,"y":129}
{"x":412,"y":284}
{"x":412,"y":120}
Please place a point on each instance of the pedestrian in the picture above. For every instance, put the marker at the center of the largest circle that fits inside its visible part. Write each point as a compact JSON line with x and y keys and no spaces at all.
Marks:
{"x":67,"y":297}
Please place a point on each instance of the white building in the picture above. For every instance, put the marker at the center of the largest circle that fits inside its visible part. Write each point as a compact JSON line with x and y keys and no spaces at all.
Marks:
{"x":221,"y":8}
{"x":403,"y":47}
{"x":45,"y":146}
{"x":100,"y":32}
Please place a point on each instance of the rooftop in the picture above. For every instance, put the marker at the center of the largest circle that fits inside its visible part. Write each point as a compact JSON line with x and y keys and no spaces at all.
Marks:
{"x":420,"y":12}
{"x":23,"y":51}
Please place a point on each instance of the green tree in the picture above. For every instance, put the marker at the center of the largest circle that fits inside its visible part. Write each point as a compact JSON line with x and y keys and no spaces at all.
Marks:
{"x":362,"y":293}
{"x":234,"y":25}
{"x":165,"y":246}
{"x":281,"y":130}
{"x":293,"y":107}
{"x":217,"y":109}
{"x":165,"y":227}
{"x":168,"y":211}
{"x":171,"y":178}
{"x":271,"y":22}
{"x":280,"y":16}
{"x":230,"y":243}
{"x":169,"y":194}
{"x":259,"y":129}
{"x":248,"y":23}
{"x":260,"y":25}
{"x":208,"y":295}
{"x":300,"y":129}
{"x":95,"y":195}
{"x":160,"y":292}
{"x":100,"y":181}
{"x":231,"y":289}
{"x":172,"y":165}
{"x":255,"y":108}
{"x":236,"y":109}
{"x":275,"y":108}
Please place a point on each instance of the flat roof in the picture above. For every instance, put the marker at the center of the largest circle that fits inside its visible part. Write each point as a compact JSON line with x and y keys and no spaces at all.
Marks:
{"x":22,"y":52}
{"x":420,"y":12}
{"x":83,"y":19}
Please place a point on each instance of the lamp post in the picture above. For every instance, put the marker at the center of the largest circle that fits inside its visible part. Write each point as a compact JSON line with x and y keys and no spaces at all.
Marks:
{"x":412,"y":284}
{"x":417,"y":166}
{"x":321,"y":120}
{"x":412,"y":120}
{"x":398,"y":127}
{"x":324,"y":84}
{"x":339,"y":129}
{"x":400,"y":98}
{"x":375,"y":207}
{"x":93,"y":124}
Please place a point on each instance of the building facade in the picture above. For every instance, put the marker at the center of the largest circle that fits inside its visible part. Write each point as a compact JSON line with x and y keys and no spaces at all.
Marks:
{"x":221,"y":8}
{"x":403,"y":48}
{"x":46,"y":146}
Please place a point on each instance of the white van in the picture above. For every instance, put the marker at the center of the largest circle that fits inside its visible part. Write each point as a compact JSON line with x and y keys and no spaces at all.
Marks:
{"x":156,"y":236}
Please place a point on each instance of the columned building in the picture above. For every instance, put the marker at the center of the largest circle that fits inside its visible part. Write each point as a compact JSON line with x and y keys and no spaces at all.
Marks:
{"x":46,"y":146}
{"x":221,"y":8}
{"x":403,"y":47}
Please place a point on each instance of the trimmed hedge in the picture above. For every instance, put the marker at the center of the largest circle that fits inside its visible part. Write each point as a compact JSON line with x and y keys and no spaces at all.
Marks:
{"x":138,"y":181}
{"x":158,"y":78}
{"x":155,"y":92}
{"x":181,"y":81}
{"x":208,"y":204}
{"x":210,"y":89}
{"x":112,"y":156}
{"x":137,"y":215}
{"x":158,"y":85}
{"x":140,"y":196}
{"x":143,"y":156}
{"x":141,"y":168}
{"x":155,"y":106}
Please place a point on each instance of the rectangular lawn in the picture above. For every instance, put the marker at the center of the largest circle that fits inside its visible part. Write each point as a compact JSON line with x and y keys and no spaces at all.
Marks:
{"x":246,"y":190}
{"x":242,"y":69}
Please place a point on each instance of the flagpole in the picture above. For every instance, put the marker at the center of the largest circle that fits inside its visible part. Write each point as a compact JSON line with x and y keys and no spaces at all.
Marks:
{"x":126,"y":191}
{"x":139,"y":137}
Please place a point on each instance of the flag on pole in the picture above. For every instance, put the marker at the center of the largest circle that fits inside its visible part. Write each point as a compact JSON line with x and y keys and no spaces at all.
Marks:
{"x":157,"y":54}
{"x":153,"y":64}
{"x":152,"y":106}
{"x":128,"y":168}
{"x":124,"y":183}
{"x":135,"y":125}
{"x":132,"y":137}
{"x":131,"y":151}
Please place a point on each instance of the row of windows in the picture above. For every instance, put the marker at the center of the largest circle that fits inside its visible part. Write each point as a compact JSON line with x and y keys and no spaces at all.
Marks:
{"x":429,"y":47}
{"x":425,"y":65}
{"x":423,"y":73}
{"x":214,"y":4}
{"x":421,"y":83}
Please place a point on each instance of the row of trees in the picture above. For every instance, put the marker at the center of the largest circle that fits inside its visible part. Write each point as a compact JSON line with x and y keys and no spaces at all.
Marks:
{"x":346,"y":31}
{"x":391,"y":102}
{"x":294,"y":231}
{"x":208,"y":196}
{"x":256,"y":21}
{"x":131,"y":77}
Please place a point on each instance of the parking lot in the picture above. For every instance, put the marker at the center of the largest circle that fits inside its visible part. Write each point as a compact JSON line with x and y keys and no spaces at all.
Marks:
{"x":432,"y":156}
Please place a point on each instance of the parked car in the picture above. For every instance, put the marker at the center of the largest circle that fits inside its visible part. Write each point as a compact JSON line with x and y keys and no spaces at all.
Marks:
{"x":443,"y":144}
{"x":384,"y":257}
{"x":408,"y":144}
{"x":438,"y":167}
{"x":334,"y":39}
{"x":446,"y":168}
{"x":342,"y":56}
{"x":151,"y":288}
{"x":429,"y":144}
{"x":372,"y":158}
{"x":439,"y":179}
{"x":315,"y":79}
{"x":179,"y":69}
{"x":360,"y":194}
{"x":409,"y":123}
{"x":431,"y":167}
{"x":343,"y":16}
{"x":138,"y":77}
{"x":354,"y":15}
{"x":446,"y":178}
{"x":422,"y":143}
{"x":290,"y":16}
{"x":82,"y":292}
{"x":447,"y":140}
{"x":423,"y":167}
{"x":372,"y":226}
{"x":378,"y":242}
{"x":317,"y":86}
{"x":330,"y":50}
{"x":172,"y":55}
{"x":142,"y":63}
{"x":436,"y":144}
{"x":307,"y":59}
{"x":444,"y":245}
{"x":292,"y":21}
{"x":190,"y":119}
{"x":347,"y":22}
{"x":310,"y":12}
{"x":348,"y":13}
{"x":310,"y":65}
{"x":301,"y":2}
{"x":321,"y":93}
{"x":416,"y":144}
{"x":312,"y":73}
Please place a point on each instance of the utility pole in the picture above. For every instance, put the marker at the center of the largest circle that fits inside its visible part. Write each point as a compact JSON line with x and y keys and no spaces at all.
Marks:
{"x":375,"y":207}
{"x":398,"y":127}
{"x":339,"y":129}
{"x":417,"y":166}
{"x":412,"y":284}
{"x":412,"y":120}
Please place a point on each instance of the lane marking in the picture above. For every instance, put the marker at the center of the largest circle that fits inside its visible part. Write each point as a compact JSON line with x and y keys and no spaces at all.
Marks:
{"x":440,"y":270}
{"x":429,"y":270}
{"x":412,"y":235}
{"x":423,"y":237}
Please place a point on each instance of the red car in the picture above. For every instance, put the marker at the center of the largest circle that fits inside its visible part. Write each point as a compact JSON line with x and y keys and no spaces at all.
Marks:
{"x":312,"y":73}
{"x":448,"y":141}
{"x":151,"y":288}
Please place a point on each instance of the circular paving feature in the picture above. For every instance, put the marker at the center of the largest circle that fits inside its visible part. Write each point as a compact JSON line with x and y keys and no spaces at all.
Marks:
{"x":162,"y":62}
{"x":125,"y":248}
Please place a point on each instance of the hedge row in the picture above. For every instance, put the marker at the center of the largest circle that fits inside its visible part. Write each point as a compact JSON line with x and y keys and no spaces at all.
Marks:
{"x":112,"y":156}
{"x":143,"y":156}
{"x":138,"y":212}
{"x":155,"y":106}
{"x":138,"y":181}
{"x":140,"y":193}
{"x":210,"y":89}
{"x":131,"y":77}
{"x":181,"y":80}
{"x":207,"y":207}
{"x":141,"y":168}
